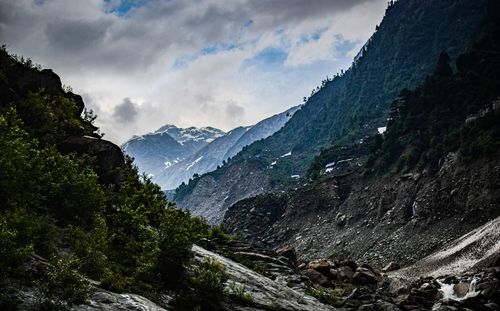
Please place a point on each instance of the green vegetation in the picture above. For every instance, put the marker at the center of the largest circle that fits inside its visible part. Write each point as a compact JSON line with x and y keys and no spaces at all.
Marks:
{"x":205,"y":288}
{"x":124,"y":235}
{"x":329,"y":296}
{"x":452,"y":111}
{"x":239,"y":293}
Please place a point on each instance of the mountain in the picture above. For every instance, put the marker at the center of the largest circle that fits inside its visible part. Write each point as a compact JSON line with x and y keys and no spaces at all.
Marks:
{"x":213,"y":154}
{"x":153,"y":152}
{"x":400,"y":54}
{"x":433,"y":176}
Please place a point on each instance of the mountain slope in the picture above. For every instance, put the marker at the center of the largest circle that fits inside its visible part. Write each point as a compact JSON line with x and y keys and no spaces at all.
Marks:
{"x":354,"y":104}
{"x":432,"y":177}
{"x":213,"y":154}
{"x":204,"y":160}
{"x":153,"y":152}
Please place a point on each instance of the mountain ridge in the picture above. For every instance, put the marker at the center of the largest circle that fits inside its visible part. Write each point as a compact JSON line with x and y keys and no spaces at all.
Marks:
{"x":218,"y":152}
{"x":172,"y":155}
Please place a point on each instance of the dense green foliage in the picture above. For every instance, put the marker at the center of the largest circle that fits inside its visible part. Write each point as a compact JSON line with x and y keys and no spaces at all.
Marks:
{"x":453,"y":110}
{"x":125,"y":235}
{"x":205,"y":288}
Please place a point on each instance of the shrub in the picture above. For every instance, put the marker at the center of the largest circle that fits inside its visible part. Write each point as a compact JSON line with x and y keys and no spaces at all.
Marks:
{"x":62,"y":286}
{"x":205,"y":288}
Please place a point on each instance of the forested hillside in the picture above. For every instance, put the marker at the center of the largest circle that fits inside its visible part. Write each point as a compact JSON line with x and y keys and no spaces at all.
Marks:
{"x":72,"y":208}
{"x":401,"y":53}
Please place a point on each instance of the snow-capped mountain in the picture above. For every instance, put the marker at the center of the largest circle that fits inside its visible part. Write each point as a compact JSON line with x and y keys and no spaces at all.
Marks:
{"x":205,"y":160}
{"x":153,"y":152}
{"x":192,"y":138}
{"x":213,"y":154}
{"x":172,"y":155}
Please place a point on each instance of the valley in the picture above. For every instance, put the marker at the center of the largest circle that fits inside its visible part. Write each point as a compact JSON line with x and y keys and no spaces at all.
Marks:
{"x":380,"y":192}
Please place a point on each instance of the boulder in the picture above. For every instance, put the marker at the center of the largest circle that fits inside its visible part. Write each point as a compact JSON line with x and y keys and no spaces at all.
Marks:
{"x":461,"y":289}
{"x":316,"y":277}
{"x":341,"y":219}
{"x":344,"y":272}
{"x":104,"y":301}
{"x":109,"y":157}
{"x":364,"y":277}
{"x":289,"y":253}
{"x":321,"y":265}
{"x":367,"y":307}
{"x":351,"y":264}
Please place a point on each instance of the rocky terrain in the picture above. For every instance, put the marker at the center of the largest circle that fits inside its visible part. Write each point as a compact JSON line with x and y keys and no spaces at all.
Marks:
{"x":211,"y":203}
{"x":394,"y":218}
{"x":261,"y":279}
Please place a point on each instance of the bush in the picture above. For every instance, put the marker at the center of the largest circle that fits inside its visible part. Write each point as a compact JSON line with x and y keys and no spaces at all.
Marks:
{"x":62,"y":286}
{"x":205,"y":288}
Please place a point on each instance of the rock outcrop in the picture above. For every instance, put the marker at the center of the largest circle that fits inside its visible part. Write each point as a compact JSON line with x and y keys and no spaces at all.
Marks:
{"x":109,"y":157}
{"x":265,"y":293}
{"x":108,"y":301}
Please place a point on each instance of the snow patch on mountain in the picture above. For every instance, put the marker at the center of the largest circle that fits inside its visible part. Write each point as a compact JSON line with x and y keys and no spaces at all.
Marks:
{"x":221,"y":149}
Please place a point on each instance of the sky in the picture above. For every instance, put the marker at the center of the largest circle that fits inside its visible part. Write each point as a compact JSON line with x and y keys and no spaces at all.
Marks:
{"x":140,"y":64}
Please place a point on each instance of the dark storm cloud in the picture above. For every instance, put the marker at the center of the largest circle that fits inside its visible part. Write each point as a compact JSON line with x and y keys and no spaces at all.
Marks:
{"x":146,"y":32}
{"x":126,"y":112}
{"x":76,"y":35}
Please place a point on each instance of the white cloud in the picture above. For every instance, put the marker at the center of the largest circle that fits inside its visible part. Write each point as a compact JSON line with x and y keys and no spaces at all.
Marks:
{"x":107,"y":57}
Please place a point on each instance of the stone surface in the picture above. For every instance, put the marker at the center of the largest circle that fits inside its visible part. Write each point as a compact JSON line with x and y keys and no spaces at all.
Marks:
{"x":315,"y":277}
{"x":266,"y":294}
{"x":109,"y":156}
{"x":108,"y":301}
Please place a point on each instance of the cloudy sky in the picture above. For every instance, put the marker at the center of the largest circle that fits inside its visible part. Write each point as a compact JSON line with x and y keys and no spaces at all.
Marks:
{"x":223,"y":63}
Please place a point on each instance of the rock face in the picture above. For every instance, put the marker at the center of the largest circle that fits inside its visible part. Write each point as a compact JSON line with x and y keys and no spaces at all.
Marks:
{"x":266,"y":294}
{"x":109,"y":157}
{"x":22,"y":80}
{"x":394,"y":218}
{"x":479,"y":248}
{"x":211,"y":203}
{"x":107,"y":301}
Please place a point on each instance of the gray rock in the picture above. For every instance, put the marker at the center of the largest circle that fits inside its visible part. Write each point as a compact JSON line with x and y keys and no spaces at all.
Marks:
{"x":345,"y":272}
{"x":321,"y":265}
{"x":266,"y":294}
{"x":108,"y":301}
{"x":109,"y":156}
{"x":391,"y":267}
{"x":364,"y":277}
{"x":461,"y":289}
{"x":316,"y":277}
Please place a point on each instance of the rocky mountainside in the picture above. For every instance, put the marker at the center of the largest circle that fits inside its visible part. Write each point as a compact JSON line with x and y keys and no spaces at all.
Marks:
{"x":221,"y":149}
{"x":154,"y":152}
{"x":378,"y":220}
{"x":433,"y":176}
{"x":349,"y":107}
